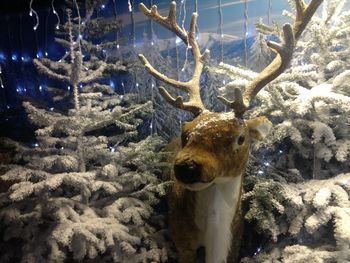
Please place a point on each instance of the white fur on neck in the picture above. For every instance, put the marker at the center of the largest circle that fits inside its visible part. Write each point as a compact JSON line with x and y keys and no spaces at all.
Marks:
{"x":215,"y":210}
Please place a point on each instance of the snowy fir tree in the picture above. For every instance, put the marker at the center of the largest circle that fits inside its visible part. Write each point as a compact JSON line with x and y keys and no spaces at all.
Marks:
{"x":85,"y":192}
{"x":305,"y":220}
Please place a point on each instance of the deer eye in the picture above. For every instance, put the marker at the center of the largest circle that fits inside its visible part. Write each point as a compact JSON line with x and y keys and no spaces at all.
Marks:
{"x":241,"y":139}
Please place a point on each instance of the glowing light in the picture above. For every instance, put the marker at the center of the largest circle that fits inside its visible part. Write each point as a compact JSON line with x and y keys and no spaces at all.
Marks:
{"x":178,"y":40}
{"x":224,"y":82}
{"x":267,"y":164}
{"x":62,"y":148}
{"x":68,"y":88}
{"x":2,"y":86}
{"x":8,"y":107}
{"x":14,"y":57}
{"x":39,"y":54}
{"x":80,"y":36}
{"x":260,"y":172}
{"x":40,"y":88}
{"x":118,"y":46}
{"x":2,"y":57}
{"x":152,"y":43}
{"x":51,"y":109}
{"x":130,"y":6}
{"x":81,"y":86}
{"x":121,"y":96}
{"x":103,"y":6}
{"x":257,"y":251}
{"x":222,"y":35}
{"x":46,"y":54}
{"x":111,"y":83}
{"x":35,"y":145}
{"x":112,"y":149}
{"x":280,"y":151}
{"x":137,"y":85}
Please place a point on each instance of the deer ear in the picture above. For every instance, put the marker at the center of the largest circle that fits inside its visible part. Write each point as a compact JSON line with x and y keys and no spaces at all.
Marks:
{"x":259,"y":127}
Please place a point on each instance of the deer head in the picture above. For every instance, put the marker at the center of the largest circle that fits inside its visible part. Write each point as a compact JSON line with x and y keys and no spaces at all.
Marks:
{"x":216,"y":145}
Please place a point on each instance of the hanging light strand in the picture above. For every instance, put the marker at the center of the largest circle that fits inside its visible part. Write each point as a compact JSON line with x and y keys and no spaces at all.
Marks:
{"x":269,"y":12}
{"x":31,"y":12}
{"x":56,"y":14}
{"x":131,"y":5}
{"x":221,"y":31}
{"x":1,"y":82}
{"x":245,"y":32}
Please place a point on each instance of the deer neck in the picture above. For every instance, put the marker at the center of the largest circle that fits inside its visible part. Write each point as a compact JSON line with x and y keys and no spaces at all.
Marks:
{"x":215,"y":210}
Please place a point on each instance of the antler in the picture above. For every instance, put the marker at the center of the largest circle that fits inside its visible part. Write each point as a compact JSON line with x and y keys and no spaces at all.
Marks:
{"x":192,"y":87}
{"x":284,"y":51}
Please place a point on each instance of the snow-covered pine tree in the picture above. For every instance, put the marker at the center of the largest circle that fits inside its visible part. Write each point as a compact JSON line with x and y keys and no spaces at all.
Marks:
{"x":85,"y":192}
{"x":309,"y":105}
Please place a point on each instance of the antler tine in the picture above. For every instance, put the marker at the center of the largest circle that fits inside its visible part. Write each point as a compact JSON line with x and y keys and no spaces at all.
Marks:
{"x":284,"y":55}
{"x":192,"y":87}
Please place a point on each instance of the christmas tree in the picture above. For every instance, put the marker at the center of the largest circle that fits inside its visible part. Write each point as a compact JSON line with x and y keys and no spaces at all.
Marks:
{"x":86,"y":191}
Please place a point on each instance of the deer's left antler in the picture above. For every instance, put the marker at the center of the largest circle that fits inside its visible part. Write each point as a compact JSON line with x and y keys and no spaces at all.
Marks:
{"x":291,"y":34}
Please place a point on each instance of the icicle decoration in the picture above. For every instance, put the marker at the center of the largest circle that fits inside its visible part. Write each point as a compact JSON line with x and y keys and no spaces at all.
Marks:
{"x":183,"y":6}
{"x":269,"y":12}
{"x":70,"y":33}
{"x":152,"y":98}
{"x":31,"y":12}
{"x":56,"y":14}
{"x":131,"y":4}
{"x":221,"y":31}
{"x":245,"y":32}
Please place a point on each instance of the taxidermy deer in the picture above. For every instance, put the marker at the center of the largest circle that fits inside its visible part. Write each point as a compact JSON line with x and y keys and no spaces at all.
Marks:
{"x":204,"y":205}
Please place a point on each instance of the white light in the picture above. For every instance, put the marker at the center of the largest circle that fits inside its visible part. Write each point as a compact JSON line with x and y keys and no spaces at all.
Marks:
{"x":280,"y":151}
{"x":81,"y":86}
{"x":103,"y":6}
{"x":151,"y":125}
{"x":121,"y":96}
{"x":178,"y":40}
{"x":118,"y":46}
{"x":36,"y":145}
{"x":57,"y":27}
{"x":267,"y":164}
{"x":137,"y":85}
{"x":68,"y":88}
{"x":8,"y":106}
{"x":80,"y":36}
{"x":152,"y":43}
{"x":35,"y":28}
{"x":152,"y":85}
{"x":46,"y":54}
{"x":112,"y":149}
{"x":2,"y":86}
{"x":31,"y":13}
{"x":62,"y":148}
{"x":222,"y":35}
{"x":51,"y":109}
{"x":260,"y":172}
{"x":224,"y":82}
{"x":25,"y":90}
{"x":22,"y":58}
{"x":40,"y":88}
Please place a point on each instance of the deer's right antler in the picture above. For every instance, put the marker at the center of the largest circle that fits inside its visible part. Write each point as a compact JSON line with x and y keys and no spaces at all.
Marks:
{"x":284,"y":51}
{"x":192,"y":87}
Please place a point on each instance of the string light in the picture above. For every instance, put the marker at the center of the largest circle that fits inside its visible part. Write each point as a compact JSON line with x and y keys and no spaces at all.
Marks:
{"x":56,"y":14}
{"x":269,"y":12}
{"x":31,"y":12}
{"x":221,"y":32}
{"x":245,"y":32}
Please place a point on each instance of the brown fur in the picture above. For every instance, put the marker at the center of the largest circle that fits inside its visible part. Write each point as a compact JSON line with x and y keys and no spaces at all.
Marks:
{"x":214,"y":146}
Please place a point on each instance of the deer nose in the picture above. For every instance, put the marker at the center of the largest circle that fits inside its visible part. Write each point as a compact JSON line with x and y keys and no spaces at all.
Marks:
{"x":188,"y":173}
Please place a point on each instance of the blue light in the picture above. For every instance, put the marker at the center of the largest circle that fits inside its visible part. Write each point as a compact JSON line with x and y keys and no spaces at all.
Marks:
{"x":2,"y":57}
{"x":111,"y":83}
{"x":103,"y":6}
{"x":14,"y":57}
{"x":25,"y":58}
{"x":20,"y":89}
{"x":39,"y":54}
